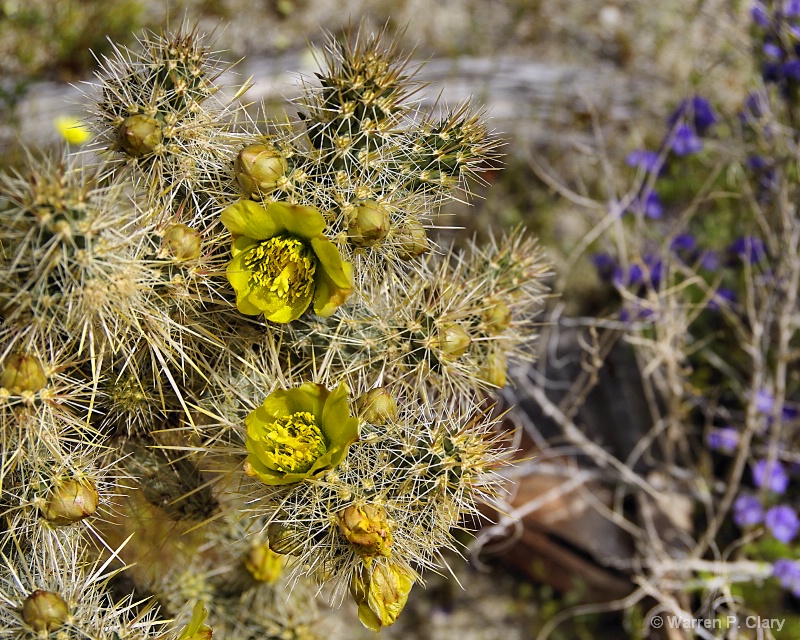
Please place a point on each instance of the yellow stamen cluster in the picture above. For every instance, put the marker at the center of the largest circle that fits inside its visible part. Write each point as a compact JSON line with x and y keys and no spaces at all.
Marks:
{"x":294,"y":443}
{"x":283,"y":265}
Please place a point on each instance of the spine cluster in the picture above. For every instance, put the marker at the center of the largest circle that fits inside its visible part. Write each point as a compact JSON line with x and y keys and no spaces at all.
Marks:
{"x":234,"y":365}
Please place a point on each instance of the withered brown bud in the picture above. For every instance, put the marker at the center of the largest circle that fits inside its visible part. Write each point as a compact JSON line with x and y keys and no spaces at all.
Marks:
{"x":44,"y":611}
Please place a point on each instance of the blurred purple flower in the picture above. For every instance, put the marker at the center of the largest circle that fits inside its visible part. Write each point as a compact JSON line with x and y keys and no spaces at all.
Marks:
{"x":783,"y":522}
{"x":698,"y":113}
{"x":747,"y":510}
{"x":778,"y":479}
{"x":722,"y":297}
{"x":791,"y":8}
{"x":725,"y":439}
{"x":605,"y":265}
{"x":759,"y":14}
{"x":788,"y":574}
{"x":791,"y":69}
{"x":748,"y":248}
{"x":649,"y":204}
{"x":683,"y":242}
{"x":764,"y":401}
{"x":709,"y":260}
{"x":772,"y":50}
{"x":685,"y":141}
{"x":650,"y":161}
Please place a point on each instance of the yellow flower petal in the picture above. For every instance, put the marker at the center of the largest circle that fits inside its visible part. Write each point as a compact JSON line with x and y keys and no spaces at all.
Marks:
{"x":246,"y":218}
{"x":299,"y":221}
{"x":72,"y":129}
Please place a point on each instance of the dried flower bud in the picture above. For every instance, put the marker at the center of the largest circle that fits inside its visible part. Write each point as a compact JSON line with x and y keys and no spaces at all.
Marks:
{"x":71,"y":501}
{"x":452,"y":339}
{"x":381,"y":592}
{"x":44,"y":611}
{"x":494,"y":368}
{"x":284,"y":539}
{"x":139,"y":135}
{"x":23,"y":372}
{"x":413,"y":241}
{"x":369,"y":223}
{"x":366,"y":528}
{"x":183,"y":241}
{"x":258,"y":169}
{"x":264,"y":564}
{"x":497,"y":317}
{"x":377,"y":406}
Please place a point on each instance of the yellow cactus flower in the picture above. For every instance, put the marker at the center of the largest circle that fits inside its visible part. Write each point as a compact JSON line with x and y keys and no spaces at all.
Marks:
{"x":299,"y":433}
{"x":282,"y":261}
{"x":72,"y":130}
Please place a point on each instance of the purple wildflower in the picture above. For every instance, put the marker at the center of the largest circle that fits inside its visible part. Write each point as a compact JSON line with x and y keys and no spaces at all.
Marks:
{"x":747,"y":510}
{"x":764,"y":401}
{"x":791,"y":8}
{"x":683,"y":242}
{"x":791,"y":69}
{"x":783,"y":522}
{"x":709,"y":260}
{"x":605,"y":265}
{"x":772,"y":50}
{"x":649,"y":204}
{"x":778,"y":479}
{"x":650,"y":161}
{"x":685,"y":141}
{"x":748,"y":248}
{"x":722,"y":298}
{"x":788,"y":574}
{"x":759,"y":14}
{"x":698,"y":113}
{"x":724,"y":439}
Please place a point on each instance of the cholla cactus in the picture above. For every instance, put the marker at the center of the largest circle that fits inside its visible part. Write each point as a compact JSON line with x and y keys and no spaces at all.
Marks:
{"x":236,"y":356}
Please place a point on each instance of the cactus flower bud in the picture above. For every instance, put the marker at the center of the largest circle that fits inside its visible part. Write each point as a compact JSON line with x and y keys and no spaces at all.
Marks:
{"x":366,"y":528}
{"x":264,"y":564}
{"x":494,"y":369}
{"x":284,"y":539}
{"x":413,"y":241}
{"x":183,"y":241}
{"x":452,"y":340}
{"x":377,"y":406}
{"x":44,"y":611}
{"x":381,"y":592}
{"x":369,"y":223}
{"x":258,"y":169}
{"x":139,"y":135}
{"x":197,"y":629}
{"x":497,"y":317}
{"x":23,"y":372}
{"x":71,"y":501}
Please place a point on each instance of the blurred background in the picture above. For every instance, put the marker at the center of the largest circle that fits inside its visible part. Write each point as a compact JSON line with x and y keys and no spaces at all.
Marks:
{"x":570,"y":87}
